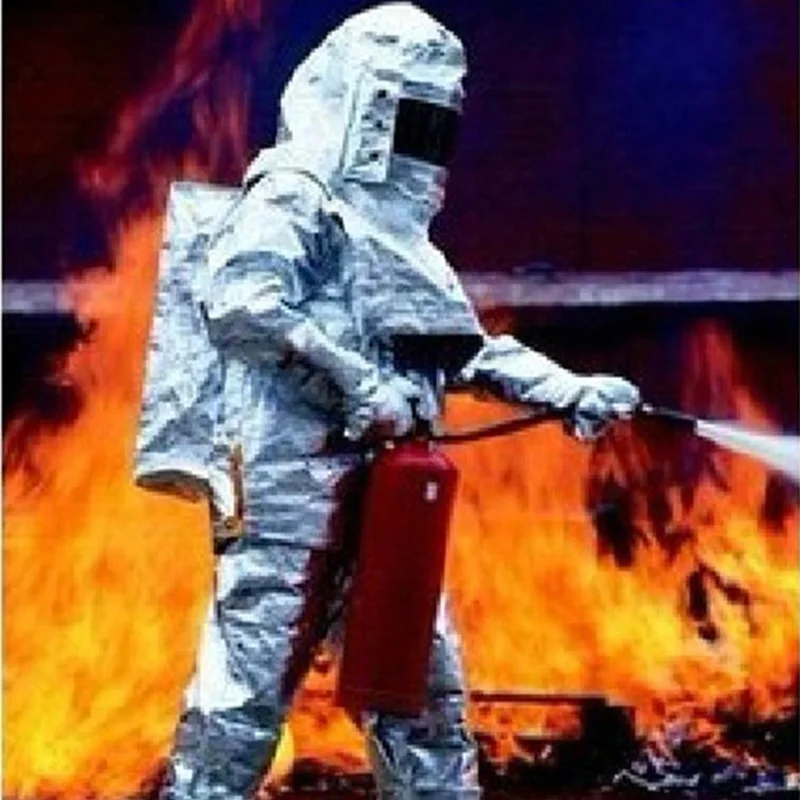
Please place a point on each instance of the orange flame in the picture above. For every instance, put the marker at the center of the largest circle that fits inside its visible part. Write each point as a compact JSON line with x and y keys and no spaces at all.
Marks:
{"x":544,"y":612}
{"x":105,"y":584}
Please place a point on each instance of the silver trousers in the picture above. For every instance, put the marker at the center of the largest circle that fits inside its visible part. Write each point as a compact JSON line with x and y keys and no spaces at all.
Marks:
{"x":271,"y":609}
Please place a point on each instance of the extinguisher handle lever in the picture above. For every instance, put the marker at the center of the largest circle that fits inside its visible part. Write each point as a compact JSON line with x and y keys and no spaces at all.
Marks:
{"x":422,"y":428}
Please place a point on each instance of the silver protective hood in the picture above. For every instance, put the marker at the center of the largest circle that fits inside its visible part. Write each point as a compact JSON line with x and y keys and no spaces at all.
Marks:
{"x":338,"y":111}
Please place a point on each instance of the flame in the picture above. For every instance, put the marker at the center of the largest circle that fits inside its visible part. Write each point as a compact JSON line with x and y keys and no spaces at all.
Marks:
{"x":540,"y":610}
{"x":284,"y":758}
{"x":105,"y":584}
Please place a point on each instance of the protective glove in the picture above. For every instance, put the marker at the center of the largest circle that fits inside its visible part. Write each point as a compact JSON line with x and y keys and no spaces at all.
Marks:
{"x":601,"y":400}
{"x":382,"y":408}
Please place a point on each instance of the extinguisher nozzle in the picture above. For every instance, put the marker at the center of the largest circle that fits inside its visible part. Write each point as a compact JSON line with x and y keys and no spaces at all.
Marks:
{"x":678,"y":419}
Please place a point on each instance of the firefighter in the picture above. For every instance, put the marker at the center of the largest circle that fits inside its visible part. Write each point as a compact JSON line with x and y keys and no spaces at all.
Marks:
{"x":331,"y":310}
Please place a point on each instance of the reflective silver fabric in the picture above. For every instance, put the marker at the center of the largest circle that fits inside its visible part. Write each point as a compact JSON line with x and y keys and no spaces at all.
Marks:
{"x":273,"y":605}
{"x":254,"y":640}
{"x":504,"y":367}
{"x":183,"y":377}
{"x":508,"y":369}
{"x":349,"y":88}
{"x":434,"y":755}
{"x":302,"y":297}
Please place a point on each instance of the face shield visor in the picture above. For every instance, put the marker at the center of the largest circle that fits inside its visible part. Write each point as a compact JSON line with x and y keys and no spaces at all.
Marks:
{"x":425,"y":131}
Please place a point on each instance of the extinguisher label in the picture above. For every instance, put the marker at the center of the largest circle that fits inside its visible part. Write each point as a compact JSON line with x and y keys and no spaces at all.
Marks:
{"x":431,"y":491}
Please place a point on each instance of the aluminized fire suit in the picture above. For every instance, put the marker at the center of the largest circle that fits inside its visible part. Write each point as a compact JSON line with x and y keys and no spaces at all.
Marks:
{"x":326,"y":309}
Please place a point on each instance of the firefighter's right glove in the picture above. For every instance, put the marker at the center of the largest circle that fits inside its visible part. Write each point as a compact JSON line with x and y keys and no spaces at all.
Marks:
{"x":381,"y":408}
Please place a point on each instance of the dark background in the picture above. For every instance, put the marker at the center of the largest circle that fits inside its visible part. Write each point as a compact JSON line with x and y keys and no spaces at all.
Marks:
{"x":598,"y":134}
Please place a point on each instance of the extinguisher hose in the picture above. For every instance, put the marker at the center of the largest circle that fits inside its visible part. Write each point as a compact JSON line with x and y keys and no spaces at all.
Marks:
{"x":500,"y":428}
{"x":673,"y":419}
{"x":676,"y":419}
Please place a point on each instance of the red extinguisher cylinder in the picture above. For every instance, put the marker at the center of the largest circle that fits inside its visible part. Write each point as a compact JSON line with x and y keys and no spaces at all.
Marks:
{"x":398,"y":580}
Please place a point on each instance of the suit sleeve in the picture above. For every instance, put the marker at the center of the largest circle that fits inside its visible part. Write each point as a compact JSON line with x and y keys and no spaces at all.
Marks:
{"x":270,"y":256}
{"x":508,"y":370}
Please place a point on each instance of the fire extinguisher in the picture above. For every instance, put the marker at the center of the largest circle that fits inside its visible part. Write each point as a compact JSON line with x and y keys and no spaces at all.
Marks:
{"x":398,"y":578}
{"x":399,"y":573}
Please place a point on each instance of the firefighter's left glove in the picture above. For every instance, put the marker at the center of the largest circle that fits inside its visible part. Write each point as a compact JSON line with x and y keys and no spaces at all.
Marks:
{"x":601,"y":399}
{"x":381,"y":408}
